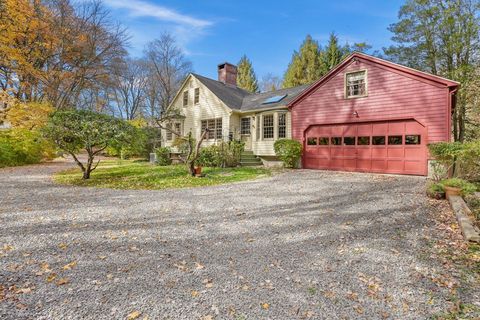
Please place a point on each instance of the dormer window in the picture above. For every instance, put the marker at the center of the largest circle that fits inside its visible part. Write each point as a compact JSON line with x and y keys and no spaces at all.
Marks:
{"x":185,"y":98}
{"x":356,"y":84}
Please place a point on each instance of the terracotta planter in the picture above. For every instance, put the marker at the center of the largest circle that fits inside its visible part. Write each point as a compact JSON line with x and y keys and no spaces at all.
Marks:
{"x":452,"y":191}
{"x":198,"y":170}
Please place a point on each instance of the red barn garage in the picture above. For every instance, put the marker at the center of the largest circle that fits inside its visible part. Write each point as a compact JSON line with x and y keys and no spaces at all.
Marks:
{"x":372,"y":115}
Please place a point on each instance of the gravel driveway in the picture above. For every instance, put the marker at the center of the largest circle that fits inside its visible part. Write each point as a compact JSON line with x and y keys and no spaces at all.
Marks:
{"x":299,"y":245}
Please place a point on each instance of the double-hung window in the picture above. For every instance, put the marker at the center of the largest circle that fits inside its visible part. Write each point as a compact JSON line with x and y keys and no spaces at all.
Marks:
{"x":356,"y":84}
{"x":282,"y":125}
{"x":214,"y":127}
{"x":268,"y":126}
{"x":185,"y":98}
{"x":196,"y":97}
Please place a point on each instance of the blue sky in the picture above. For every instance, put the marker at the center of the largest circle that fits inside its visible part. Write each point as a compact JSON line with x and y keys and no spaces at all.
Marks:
{"x":214,"y":31}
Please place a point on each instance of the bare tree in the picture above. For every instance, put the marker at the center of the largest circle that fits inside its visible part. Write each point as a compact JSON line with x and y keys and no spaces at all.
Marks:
{"x":169,"y":67}
{"x":129,"y":88}
{"x":270,"y":82}
{"x":90,"y":47}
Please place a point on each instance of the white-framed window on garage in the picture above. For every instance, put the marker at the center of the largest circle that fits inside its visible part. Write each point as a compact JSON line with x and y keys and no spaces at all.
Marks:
{"x":267,"y":126}
{"x":245,"y":126}
{"x":356,"y":84}
{"x":282,"y":125}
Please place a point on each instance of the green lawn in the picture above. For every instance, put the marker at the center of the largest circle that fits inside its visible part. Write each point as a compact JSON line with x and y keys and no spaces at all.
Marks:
{"x":128,"y":174}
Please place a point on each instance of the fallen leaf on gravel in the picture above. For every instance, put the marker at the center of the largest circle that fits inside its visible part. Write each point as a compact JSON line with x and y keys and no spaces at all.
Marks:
{"x":62,"y":281}
{"x":250,"y":240}
{"x":70,"y":266}
{"x":245,"y":287}
{"x":63,"y":246}
{"x":133,"y":315}
{"x":308,"y":314}
{"x":24,"y":290}
{"x":199,"y":266}
{"x":352,"y":296}
{"x":209,"y":317}
{"x":208,"y":283}
{"x":329,"y":294}
{"x":8,"y":247}
{"x":102,"y":257}
{"x":265,"y":306}
{"x":45,"y":267}
{"x":359,"y":309}
{"x":194,"y":293}
{"x":51,"y":277}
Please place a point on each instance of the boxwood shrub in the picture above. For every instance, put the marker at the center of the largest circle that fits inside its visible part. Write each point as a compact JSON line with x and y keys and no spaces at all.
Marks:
{"x":289,"y":151}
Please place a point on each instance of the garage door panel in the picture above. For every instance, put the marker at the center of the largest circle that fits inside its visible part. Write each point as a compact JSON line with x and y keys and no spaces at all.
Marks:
{"x":395,"y":153}
{"x":379,"y":129}
{"x":358,"y":152}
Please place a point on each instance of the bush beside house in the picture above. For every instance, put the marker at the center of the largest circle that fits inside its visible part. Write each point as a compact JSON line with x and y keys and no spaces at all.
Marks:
{"x":288,"y":151}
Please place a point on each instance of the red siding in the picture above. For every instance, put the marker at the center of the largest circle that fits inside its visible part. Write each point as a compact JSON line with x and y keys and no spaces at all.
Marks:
{"x":392,"y":95}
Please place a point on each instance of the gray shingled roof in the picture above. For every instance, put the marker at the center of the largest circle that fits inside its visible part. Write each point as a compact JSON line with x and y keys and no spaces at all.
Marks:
{"x":242,"y":100}
{"x":231,"y":96}
{"x":256,"y":101}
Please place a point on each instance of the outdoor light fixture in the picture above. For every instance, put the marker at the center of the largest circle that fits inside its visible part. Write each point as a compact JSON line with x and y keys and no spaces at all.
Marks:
{"x":355,"y":113}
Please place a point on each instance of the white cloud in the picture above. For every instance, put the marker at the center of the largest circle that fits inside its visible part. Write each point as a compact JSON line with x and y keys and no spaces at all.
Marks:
{"x":140,"y":8}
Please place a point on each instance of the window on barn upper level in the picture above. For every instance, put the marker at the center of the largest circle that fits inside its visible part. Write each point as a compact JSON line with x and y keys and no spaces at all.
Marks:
{"x":356,"y":84}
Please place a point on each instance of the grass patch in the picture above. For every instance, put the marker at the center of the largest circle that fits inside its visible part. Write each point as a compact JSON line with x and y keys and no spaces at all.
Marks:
{"x":131,"y":174}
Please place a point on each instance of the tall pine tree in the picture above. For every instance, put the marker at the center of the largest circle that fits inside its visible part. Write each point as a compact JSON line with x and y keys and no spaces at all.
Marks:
{"x":442,"y":37}
{"x":305,"y":66}
{"x":333,"y":54}
{"x":246,"y":78}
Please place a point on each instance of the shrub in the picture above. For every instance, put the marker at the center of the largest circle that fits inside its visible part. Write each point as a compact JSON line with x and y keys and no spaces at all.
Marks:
{"x":93,"y":132}
{"x":434,"y":190}
{"x":465,"y":186}
{"x":473,"y":203}
{"x":163,"y":156}
{"x":22,"y":146}
{"x":225,"y":154}
{"x":210,"y":156}
{"x":231,"y":152}
{"x":289,"y":151}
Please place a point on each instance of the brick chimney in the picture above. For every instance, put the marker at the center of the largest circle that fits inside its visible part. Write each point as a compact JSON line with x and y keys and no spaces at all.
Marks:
{"x":227,"y":73}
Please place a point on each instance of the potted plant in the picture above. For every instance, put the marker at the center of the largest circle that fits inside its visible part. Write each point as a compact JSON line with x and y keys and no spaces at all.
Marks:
{"x":436,"y":191}
{"x":453,"y":186}
{"x":198,"y":170}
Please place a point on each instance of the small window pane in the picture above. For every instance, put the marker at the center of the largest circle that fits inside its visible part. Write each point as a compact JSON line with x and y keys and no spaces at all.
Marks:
{"x":412,"y":139}
{"x":312,"y":141}
{"x":395,"y":140}
{"x":336,"y":141}
{"x":349,"y":141}
{"x":218,"y":126}
{"x":323,"y":141}
{"x":356,"y":84}
{"x":378,"y":140}
{"x":245,"y":126}
{"x":363,"y":141}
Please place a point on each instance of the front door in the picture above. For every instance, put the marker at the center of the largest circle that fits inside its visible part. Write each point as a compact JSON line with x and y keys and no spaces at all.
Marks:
{"x":245,"y":132}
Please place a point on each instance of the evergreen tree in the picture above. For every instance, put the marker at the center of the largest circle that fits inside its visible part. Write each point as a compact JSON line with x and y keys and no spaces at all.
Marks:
{"x":305,"y":66}
{"x":246,"y":78}
{"x":333,"y":54}
{"x":441,"y":37}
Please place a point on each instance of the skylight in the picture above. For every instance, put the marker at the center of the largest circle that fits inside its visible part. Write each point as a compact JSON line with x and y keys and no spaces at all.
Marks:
{"x":274,"y":99}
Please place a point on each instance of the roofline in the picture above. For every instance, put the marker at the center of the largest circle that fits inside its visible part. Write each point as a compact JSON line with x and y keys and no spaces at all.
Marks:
{"x":417,"y":73}
{"x":180,"y":89}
